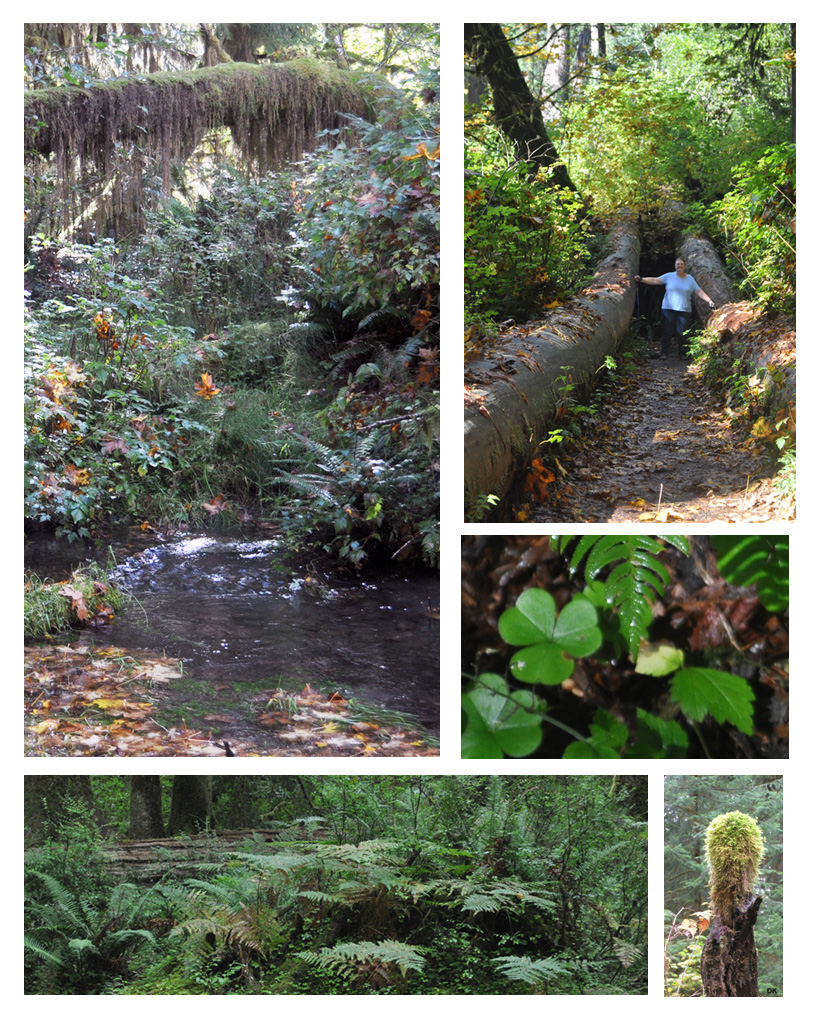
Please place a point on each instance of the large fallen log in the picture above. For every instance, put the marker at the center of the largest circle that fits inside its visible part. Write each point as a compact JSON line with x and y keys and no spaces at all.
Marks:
{"x":764,"y":343}
{"x":513,"y":385}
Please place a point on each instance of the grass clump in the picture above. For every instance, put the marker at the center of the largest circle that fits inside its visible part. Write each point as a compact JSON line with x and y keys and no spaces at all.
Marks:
{"x":86,"y":598}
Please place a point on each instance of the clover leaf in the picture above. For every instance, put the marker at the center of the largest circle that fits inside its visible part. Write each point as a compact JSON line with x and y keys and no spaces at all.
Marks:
{"x":498,"y":722}
{"x":549,"y":640}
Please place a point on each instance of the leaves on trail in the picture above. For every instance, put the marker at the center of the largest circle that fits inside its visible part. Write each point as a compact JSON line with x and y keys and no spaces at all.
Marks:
{"x":661,"y":447}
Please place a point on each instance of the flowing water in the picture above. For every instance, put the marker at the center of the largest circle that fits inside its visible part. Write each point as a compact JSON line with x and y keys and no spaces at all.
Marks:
{"x":238,"y":615}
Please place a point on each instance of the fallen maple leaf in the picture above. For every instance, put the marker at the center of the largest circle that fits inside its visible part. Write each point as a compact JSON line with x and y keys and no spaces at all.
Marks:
{"x":78,"y":602}
{"x":205,"y":388}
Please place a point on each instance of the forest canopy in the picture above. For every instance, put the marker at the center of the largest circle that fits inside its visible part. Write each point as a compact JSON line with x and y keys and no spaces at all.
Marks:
{"x":636,"y":116}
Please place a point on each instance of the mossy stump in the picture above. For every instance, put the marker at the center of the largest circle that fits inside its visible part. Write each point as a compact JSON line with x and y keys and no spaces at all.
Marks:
{"x":734,"y":848}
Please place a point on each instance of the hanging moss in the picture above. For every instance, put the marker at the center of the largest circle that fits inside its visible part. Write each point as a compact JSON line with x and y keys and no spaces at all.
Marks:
{"x":274,"y":111}
{"x":734,"y":849}
{"x":112,"y":130}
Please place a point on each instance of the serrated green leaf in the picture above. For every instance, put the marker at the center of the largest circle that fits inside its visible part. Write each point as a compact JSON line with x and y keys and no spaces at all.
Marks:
{"x":726,"y":697}
{"x":658,"y":739}
{"x":660,"y":658}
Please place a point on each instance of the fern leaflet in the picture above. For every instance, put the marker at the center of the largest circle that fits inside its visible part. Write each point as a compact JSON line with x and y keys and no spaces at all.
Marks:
{"x":637,"y":575}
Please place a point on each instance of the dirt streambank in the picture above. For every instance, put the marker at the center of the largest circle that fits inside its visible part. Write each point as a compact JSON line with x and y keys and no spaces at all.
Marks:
{"x":662,"y":428}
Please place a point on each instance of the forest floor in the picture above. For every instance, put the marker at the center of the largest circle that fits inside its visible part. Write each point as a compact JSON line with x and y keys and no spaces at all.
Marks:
{"x":662,"y":448}
{"x":86,"y":701}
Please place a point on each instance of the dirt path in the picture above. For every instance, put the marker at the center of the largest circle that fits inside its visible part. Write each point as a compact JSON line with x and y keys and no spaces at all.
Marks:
{"x":662,"y":448}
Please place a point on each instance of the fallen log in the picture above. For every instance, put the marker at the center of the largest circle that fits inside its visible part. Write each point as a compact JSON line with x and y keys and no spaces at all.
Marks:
{"x":764,"y":343}
{"x":513,"y":385}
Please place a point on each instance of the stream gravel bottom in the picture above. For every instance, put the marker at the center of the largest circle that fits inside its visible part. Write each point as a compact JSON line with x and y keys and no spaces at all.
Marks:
{"x":663,"y":448}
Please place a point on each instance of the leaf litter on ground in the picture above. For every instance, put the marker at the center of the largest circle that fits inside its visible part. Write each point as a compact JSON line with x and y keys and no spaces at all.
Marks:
{"x":84,"y":701}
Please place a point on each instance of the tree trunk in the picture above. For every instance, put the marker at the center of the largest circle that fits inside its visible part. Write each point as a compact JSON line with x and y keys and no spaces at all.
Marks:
{"x":145,"y":807}
{"x":517,"y":112}
{"x":191,"y":808}
{"x":50,"y":800}
{"x":729,"y":959}
{"x":513,"y":389}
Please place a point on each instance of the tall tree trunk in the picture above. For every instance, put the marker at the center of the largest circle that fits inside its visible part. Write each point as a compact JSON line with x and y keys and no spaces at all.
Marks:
{"x":191,"y":807}
{"x":601,"y":41}
{"x":517,"y":112}
{"x":146,"y":819}
{"x":49,"y":800}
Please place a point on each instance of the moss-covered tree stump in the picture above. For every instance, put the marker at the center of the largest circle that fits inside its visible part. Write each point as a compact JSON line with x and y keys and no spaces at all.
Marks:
{"x":734,"y":848}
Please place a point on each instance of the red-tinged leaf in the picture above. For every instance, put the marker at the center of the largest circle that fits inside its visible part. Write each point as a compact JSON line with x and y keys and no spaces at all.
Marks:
{"x":218,"y":505}
{"x":205,"y":388}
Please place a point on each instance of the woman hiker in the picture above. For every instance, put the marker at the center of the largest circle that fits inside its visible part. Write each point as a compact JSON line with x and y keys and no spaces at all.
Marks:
{"x":676,"y":305}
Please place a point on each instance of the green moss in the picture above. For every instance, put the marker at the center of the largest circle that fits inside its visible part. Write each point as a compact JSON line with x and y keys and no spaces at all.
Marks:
{"x":734,"y":849}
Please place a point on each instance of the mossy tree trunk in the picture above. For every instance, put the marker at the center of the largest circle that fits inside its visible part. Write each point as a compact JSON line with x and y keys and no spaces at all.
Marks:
{"x":729,"y":958}
{"x":107,"y":137}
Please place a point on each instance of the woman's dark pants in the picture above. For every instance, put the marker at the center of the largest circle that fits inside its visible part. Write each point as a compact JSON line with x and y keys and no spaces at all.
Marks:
{"x":674,"y":322}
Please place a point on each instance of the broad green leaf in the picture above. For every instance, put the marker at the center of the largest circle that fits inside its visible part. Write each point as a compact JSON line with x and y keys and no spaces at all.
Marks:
{"x":658,"y":739}
{"x":532,"y":619}
{"x":547,"y":638}
{"x":660,"y":658}
{"x":498,"y":722}
{"x":726,"y":697}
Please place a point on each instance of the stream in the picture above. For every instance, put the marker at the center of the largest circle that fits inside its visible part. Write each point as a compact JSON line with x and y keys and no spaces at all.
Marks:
{"x":243,"y":620}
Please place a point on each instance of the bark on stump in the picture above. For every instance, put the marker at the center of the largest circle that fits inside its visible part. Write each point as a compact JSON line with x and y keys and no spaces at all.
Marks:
{"x":729,"y":958}
{"x":513,"y":388}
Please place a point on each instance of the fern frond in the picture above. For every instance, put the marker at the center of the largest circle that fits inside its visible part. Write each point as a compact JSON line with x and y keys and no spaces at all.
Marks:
{"x":627,"y":953}
{"x":345,"y":957}
{"x":531,"y":970}
{"x":637,"y":575}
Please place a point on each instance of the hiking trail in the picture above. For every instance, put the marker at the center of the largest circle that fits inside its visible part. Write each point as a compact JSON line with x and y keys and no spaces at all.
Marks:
{"x":663,"y":448}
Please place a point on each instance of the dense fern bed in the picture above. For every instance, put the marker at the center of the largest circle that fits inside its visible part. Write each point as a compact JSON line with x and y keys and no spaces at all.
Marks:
{"x":405,"y":885}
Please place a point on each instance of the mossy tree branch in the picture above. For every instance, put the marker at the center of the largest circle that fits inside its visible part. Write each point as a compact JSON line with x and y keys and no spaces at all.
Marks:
{"x":274,"y":112}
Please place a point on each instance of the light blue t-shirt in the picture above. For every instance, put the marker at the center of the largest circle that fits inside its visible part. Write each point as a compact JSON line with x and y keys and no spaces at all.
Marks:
{"x":678,"y":292}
